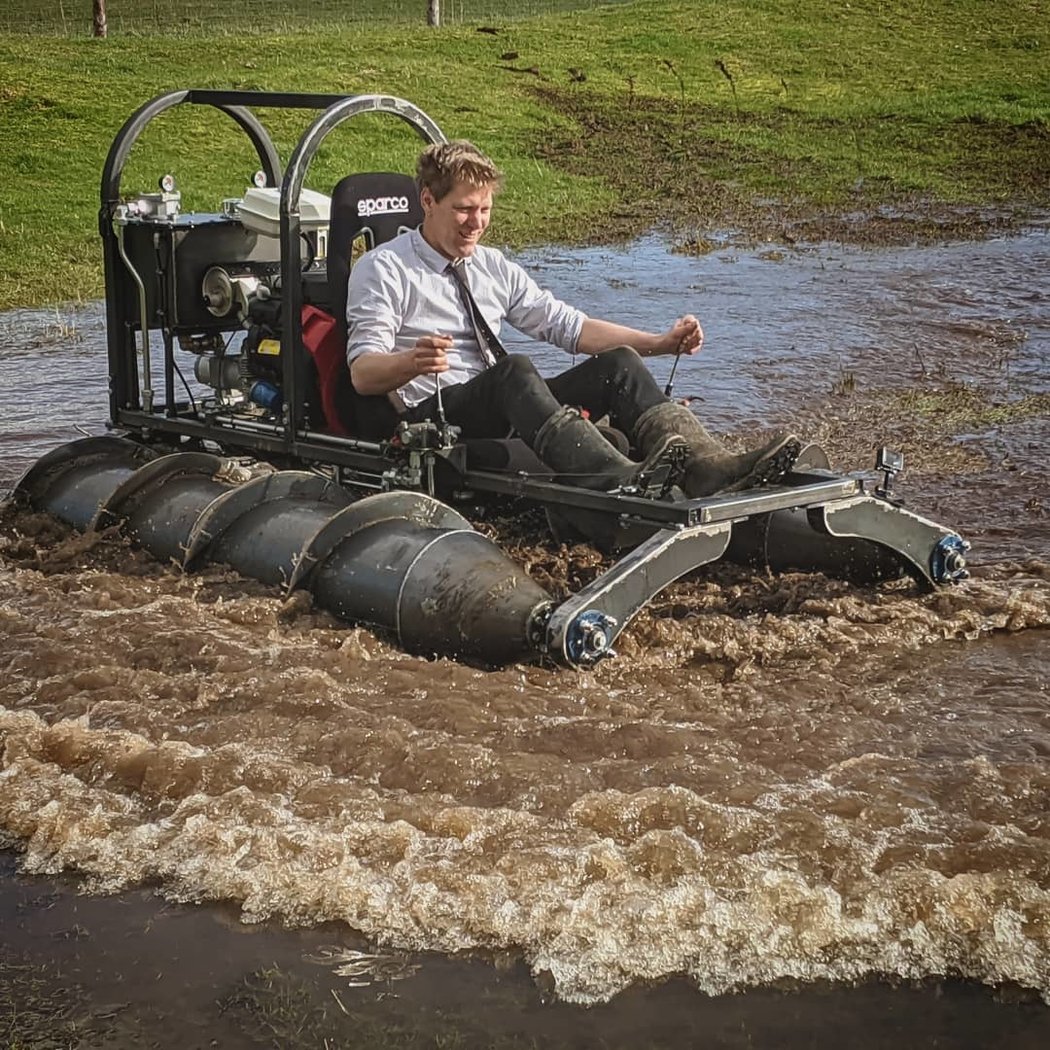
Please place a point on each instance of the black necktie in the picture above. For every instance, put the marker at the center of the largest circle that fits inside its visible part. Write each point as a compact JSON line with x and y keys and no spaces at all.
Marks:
{"x":488,"y":342}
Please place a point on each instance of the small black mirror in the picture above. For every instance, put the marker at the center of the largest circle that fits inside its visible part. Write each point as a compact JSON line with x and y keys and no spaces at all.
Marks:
{"x":889,"y":460}
{"x":891,"y":463}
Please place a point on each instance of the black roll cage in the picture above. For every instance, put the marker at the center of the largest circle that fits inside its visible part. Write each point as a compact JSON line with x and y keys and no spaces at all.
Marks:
{"x":125,"y":409}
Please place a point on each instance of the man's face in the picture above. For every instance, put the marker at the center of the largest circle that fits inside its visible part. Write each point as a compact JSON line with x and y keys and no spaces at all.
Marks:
{"x":455,"y":223}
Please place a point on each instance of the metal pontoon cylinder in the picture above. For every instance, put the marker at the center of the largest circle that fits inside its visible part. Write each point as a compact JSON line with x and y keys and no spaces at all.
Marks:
{"x":71,"y":482}
{"x":786,"y":540}
{"x":261,"y":528}
{"x":792,"y":540}
{"x":157,"y":505}
{"x":442,"y":590}
{"x":401,"y":561}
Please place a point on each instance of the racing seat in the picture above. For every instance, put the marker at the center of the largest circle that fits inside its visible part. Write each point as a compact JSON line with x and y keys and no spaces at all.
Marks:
{"x":375,"y":207}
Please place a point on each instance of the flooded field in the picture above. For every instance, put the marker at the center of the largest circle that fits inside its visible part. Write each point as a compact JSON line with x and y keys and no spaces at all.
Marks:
{"x":821,"y":797}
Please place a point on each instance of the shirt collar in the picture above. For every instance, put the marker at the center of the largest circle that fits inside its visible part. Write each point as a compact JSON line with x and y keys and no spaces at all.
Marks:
{"x":431,"y":257}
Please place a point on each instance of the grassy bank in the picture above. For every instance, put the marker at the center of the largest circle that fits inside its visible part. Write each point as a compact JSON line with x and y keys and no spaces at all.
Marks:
{"x":777,"y":118}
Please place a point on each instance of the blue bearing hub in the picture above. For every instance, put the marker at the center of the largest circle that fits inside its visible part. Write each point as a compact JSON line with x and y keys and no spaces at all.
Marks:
{"x":589,"y":638}
{"x":948,"y":561}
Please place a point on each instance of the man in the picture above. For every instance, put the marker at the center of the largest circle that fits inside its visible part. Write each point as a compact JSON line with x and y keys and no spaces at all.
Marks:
{"x":425,"y":335}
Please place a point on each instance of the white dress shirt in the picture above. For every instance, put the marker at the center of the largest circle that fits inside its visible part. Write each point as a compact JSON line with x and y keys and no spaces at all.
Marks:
{"x":401,"y":291}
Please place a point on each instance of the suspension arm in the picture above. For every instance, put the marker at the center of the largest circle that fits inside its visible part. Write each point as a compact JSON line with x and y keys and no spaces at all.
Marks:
{"x":582,"y":629}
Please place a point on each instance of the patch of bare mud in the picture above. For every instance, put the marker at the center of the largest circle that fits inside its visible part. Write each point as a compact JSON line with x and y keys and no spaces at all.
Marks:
{"x":684,"y":166}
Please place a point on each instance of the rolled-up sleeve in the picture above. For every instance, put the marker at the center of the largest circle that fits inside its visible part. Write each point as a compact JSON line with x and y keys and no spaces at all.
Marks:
{"x":375,"y":304}
{"x":536,"y":312}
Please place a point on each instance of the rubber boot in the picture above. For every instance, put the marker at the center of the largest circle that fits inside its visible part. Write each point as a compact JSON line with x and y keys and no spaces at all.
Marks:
{"x":575,"y":448}
{"x":711,"y":467}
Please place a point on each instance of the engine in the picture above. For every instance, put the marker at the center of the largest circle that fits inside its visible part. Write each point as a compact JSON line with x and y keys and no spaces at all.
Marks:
{"x":206,"y":279}
{"x":251,"y":293}
{"x":255,"y":369}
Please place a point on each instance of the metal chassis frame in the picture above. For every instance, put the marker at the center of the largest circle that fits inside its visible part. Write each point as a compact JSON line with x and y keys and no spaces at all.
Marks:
{"x":582,"y":629}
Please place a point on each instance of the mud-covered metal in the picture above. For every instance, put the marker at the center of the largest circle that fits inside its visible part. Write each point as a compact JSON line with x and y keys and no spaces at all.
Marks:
{"x":400,"y":561}
{"x":583,"y":628}
{"x":442,"y":590}
{"x":919,"y":544}
{"x":73,"y":481}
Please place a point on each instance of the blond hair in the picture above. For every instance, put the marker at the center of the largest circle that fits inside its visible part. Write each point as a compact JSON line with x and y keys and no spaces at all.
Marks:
{"x":442,"y":165}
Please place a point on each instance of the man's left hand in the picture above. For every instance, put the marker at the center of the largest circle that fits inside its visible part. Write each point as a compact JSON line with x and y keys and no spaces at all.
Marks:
{"x":684,"y":336}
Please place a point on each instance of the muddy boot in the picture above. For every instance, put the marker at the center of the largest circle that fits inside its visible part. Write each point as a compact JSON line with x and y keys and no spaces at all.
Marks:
{"x":575,"y":448}
{"x":711,"y":467}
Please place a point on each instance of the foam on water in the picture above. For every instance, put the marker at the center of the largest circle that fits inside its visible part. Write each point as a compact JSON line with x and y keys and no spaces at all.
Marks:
{"x":798,"y":817}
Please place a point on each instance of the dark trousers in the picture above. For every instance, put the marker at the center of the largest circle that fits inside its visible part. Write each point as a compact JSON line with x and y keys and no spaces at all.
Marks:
{"x":512,"y":395}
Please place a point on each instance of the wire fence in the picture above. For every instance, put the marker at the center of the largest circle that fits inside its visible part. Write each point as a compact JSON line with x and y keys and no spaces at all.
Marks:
{"x":139,"y":17}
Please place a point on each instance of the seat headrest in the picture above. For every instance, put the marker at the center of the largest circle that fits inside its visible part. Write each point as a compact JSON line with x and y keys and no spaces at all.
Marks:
{"x":378,"y":204}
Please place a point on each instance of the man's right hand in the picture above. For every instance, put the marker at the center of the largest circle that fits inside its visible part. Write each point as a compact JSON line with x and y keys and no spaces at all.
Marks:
{"x":428,"y":355}
{"x":376,"y":373}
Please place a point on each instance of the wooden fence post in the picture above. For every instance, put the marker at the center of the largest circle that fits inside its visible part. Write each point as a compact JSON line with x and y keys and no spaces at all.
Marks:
{"x":99,"y":20}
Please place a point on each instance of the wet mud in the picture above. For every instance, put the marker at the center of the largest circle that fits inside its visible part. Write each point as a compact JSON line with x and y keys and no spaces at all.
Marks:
{"x":129,"y":971}
{"x":699,"y":169}
{"x":784,"y":786}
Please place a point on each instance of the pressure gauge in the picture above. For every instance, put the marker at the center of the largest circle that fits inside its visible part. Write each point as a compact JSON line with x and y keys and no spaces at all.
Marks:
{"x":259,"y":179}
{"x":167,"y":183}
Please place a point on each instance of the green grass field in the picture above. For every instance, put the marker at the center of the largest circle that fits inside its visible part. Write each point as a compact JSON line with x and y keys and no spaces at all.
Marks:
{"x":745,"y":113}
{"x":74,"y":17}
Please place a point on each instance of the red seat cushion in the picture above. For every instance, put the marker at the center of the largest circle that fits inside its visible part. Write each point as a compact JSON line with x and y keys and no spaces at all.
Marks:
{"x":321,"y":338}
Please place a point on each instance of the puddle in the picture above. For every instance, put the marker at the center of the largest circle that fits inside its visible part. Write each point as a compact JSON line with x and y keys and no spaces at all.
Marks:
{"x":781,"y":782}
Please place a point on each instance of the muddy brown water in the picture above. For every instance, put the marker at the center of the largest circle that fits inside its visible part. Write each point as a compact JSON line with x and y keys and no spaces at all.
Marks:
{"x":784,"y":782}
